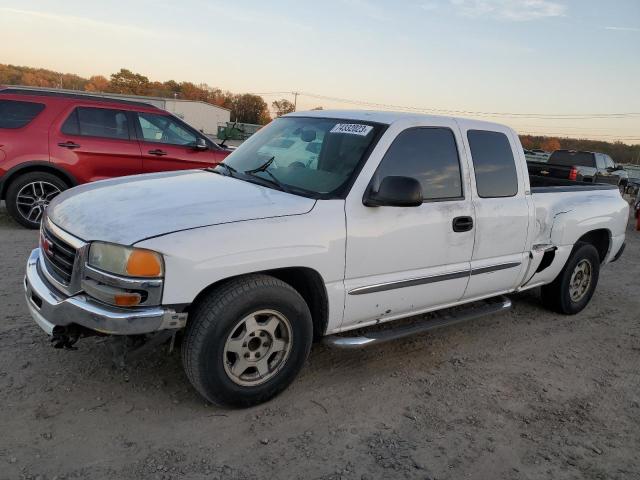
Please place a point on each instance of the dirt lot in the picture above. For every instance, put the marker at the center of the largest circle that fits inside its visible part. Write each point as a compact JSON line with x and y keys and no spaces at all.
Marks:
{"x":524,"y":395}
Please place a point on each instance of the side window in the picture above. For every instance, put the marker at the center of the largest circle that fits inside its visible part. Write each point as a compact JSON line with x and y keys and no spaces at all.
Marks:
{"x":164,"y":129}
{"x":430,"y":156}
{"x":600,"y":161}
{"x":608,"y":162}
{"x":15,"y":114}
{"x":97,"y":122}
{"x":493,"y":163}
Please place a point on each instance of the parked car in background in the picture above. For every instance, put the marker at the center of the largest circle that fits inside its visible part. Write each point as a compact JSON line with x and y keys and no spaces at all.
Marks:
{"x":633,"y":184}
{"x":321,"y":223}
{"x":536,"y":155}
{"x":579,"y":166}
{"x":51,"y":141}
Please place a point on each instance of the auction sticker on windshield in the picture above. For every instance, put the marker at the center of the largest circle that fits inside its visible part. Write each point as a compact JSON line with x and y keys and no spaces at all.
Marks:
{"x":352,"y":129}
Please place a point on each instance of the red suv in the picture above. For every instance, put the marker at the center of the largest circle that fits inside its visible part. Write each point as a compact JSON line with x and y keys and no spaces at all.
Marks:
{"x":51,"y":141}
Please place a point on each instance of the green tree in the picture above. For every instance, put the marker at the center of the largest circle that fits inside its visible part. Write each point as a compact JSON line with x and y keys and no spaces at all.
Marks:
{"x":283,"y":106}
{"x":125,"y":81}
{"x":249,"y":108}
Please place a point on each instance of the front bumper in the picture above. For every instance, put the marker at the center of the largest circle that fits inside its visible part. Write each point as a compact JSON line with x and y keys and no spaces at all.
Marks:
{"x":50,"y":308}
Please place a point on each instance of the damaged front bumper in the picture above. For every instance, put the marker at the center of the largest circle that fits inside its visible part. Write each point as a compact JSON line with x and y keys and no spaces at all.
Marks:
{"x":50,"y":309}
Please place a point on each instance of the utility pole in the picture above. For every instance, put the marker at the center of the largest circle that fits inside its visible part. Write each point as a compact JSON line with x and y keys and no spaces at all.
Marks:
{"x":295,"y":100}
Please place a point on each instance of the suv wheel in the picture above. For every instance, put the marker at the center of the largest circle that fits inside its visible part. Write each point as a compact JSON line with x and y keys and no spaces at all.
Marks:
{"x":29,"y":195}
{"x":572,"y":290}
{"x":247,"y":340}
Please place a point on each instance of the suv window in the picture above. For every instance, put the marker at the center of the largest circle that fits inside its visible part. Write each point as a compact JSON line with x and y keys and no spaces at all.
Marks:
{"x":608,"y":162}
{"x":430,"y":156}
{"x":164,"y":129}
{"x":97,"y":122}
{"x":16,"y":114}
{"x":493,"y":162}
{"x":600,"y":163}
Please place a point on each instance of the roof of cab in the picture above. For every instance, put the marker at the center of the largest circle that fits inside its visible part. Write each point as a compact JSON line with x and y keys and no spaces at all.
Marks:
{"x":389,"y":117}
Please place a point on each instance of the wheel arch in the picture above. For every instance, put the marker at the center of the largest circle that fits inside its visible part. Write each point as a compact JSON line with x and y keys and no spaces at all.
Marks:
{"x":35,"y":166}
{"x":306,"y":281}
{"x":600,"y":239}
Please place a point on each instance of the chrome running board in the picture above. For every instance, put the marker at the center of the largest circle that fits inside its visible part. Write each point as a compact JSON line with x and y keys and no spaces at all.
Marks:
{"x":444,"y":319}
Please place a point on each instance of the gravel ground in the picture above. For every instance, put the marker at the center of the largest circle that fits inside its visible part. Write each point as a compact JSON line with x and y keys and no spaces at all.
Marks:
{"x":523,"y":395}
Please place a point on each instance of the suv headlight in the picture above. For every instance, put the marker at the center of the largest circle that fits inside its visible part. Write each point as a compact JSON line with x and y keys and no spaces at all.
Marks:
{"x":125,"y":261}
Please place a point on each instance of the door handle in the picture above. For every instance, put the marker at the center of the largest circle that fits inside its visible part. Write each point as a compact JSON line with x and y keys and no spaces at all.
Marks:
{"x":462,"y":224}
{"x":71,"y":145}
{"x":157,"y":152}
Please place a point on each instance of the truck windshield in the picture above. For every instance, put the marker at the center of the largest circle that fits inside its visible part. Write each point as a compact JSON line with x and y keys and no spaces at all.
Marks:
{"x":314,"y":157}
{"x":570,"y":159}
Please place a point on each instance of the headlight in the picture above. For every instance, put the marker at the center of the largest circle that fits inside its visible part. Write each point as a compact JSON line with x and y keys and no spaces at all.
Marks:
{"x":126,"y":261}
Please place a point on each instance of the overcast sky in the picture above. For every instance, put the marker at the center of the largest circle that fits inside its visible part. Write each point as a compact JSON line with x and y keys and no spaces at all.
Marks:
{"x":519,"y":56}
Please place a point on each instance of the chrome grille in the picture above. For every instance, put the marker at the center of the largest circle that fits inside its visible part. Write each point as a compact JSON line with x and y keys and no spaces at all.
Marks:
{"x":58,"y":256}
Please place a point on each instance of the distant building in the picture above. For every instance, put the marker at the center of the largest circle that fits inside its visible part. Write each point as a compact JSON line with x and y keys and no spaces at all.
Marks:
{"x":200,"y":115}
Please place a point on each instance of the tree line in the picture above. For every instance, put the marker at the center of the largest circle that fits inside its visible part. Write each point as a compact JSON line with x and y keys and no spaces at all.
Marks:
{"x":246,"y":107}
{"x":618,"y":151}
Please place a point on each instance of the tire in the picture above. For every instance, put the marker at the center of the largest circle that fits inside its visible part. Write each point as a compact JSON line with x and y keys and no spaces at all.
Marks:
{"x":564,"y":297}
{"x":36,"y":187}
{"x":218,"y":336}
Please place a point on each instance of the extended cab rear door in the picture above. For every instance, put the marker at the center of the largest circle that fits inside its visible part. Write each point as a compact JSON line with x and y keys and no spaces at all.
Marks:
{"x":502,"y":208}
{"x":169,"y":144}
{"x":403,"y":260}
{"x":95,"y":143}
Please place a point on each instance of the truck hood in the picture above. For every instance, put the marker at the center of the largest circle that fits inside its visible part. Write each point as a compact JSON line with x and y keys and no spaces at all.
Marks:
{"x":130,"y":209}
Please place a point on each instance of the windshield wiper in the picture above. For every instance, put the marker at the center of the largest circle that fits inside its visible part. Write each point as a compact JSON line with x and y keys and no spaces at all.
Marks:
{"x":264,"y":168}
{"x":261,"y":168}
{"x":229,"y":168}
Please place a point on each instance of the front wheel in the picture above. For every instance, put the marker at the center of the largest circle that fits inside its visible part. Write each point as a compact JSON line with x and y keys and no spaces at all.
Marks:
{"x":29,"y":195}
{"x":572,"y":290}
{"x":247,"y":340}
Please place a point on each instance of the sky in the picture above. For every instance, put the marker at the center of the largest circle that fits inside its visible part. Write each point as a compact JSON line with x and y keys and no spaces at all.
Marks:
{"x":559,"y":67}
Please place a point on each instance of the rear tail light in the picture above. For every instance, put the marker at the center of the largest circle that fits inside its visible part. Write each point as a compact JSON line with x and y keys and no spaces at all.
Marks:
{"x":573,"y":174}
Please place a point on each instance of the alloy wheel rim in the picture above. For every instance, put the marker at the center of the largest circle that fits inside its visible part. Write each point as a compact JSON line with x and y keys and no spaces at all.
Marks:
{"x":580,"y":280}
{"x":257,"y":348}
{"x":33,"y":199}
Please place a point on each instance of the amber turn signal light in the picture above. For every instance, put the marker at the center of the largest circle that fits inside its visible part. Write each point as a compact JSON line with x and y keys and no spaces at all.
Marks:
{"x":144,"y":263}
{"x":127,"y":299}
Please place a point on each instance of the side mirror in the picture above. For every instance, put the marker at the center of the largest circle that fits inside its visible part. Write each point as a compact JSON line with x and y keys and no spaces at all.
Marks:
{"x":395,"y":191}
{"x":201,"y":144}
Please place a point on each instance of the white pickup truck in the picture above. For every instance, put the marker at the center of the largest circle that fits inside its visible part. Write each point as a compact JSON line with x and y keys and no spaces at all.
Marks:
{"x":321,"y":223}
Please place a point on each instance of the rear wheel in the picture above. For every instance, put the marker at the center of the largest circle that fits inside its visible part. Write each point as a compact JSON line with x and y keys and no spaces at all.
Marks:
{"x":572,"y":290}
{"x":247,"y":340}
{"x":29,"y":195}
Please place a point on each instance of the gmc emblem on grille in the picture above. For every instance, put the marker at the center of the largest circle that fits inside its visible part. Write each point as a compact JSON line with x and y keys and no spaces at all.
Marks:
{"x":47,"y":246}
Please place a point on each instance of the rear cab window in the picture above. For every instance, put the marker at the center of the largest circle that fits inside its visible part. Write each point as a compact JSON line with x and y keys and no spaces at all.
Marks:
{"x":493,"y":163}
{"x":97,"y":122}
{"x":18,"y":114}
{"x":571,"y":159}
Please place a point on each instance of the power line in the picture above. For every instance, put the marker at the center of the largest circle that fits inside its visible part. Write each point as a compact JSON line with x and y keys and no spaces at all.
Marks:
{"x":581,"y":116}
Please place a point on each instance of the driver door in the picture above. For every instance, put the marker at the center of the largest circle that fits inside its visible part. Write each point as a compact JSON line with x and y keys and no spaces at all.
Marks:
{"x":166,"y":144}
{"x":404,"y":260}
